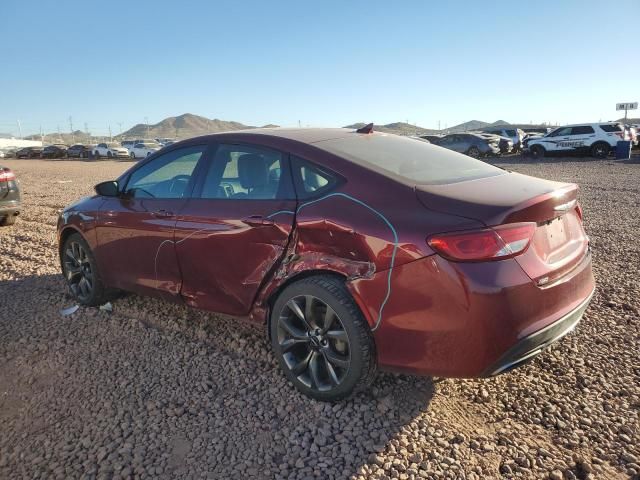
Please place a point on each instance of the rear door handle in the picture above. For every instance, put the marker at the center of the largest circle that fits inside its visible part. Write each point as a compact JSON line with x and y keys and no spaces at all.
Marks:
{"x":162,"y":213}
{"x":257,"y":221}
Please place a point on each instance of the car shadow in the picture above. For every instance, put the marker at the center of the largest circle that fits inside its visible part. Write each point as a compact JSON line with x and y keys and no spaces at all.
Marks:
{"x":215,"y":371}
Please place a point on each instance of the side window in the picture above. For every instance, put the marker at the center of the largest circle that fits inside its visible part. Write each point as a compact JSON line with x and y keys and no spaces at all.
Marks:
{"x":310,"y":180}
{"x":243,"y":172}
{"x":166,"y":176}
{"x":582,"y":130}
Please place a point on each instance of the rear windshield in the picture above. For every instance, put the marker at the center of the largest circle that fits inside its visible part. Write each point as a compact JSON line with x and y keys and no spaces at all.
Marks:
{"x":611,"y":128}
{"x":412,"y":160}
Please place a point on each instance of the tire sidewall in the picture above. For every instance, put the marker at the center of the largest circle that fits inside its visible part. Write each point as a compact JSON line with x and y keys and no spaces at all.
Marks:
{"x":356,"y":346}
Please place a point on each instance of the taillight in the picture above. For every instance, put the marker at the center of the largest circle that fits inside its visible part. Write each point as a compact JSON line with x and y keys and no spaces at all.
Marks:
{"x":497,"y":243}
{"x":579,"y":211}
{"x":6,"y":175}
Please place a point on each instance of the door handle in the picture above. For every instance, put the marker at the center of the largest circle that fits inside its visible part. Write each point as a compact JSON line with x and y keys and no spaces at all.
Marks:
{"x":257,"y":221}
{"x":162,"y":213}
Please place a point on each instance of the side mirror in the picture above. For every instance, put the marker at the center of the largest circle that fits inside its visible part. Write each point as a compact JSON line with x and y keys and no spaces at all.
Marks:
{"x":107,"y":189}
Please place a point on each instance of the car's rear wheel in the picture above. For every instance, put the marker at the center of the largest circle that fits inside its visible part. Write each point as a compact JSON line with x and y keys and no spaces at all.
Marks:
{"x":600,"y":150}
{"x":537,"y":151}
{"x":80,"y":270}
{"x":321,"y":339}
{"x":109,"y":155}
{"x":473,"y":152}
{"x":96,"y":154}
{"x":133,"y":155}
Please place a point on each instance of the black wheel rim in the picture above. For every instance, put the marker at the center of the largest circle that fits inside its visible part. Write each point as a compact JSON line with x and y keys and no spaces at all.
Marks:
{"x":313,"y":343}
{"x":78,"y":271}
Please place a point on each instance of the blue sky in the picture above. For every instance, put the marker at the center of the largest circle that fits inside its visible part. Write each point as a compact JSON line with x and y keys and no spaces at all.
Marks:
{"x":324,"y":63}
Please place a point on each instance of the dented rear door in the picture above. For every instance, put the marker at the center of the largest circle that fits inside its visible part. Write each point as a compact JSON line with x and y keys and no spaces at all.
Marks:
{"x":236,"y":229}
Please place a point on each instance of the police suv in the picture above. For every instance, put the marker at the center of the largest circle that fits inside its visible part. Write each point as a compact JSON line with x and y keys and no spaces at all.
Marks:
{"x":596,"y":139}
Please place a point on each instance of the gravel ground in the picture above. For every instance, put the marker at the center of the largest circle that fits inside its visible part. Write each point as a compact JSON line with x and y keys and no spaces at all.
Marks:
{"x":157,"y":390}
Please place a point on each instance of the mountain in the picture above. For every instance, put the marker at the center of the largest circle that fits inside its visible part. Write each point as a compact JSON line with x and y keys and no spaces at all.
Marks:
{"x":398,"y":128}
{"x":470,"y":125}
{"x":182,"y":126}
{"x":65,"y":138}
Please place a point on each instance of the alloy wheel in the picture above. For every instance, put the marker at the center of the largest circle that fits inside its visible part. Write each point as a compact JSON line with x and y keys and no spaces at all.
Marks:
{"x":313,"y":343}
{"x":78,"y":271}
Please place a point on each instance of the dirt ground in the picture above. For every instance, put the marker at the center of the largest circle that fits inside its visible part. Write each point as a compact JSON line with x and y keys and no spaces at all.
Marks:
{"x":157,"y":390}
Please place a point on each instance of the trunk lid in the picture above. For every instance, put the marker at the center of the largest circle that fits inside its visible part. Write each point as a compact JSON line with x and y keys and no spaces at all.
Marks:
{"x":559,"y":243}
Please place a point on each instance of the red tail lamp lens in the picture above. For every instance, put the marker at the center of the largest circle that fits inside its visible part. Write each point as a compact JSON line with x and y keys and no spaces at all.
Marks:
{"x":6,"y":175}
{"x":495,"y":243}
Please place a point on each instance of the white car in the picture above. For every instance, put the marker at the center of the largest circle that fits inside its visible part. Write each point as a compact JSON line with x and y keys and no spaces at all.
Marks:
{"x":144,"y":149}
{"x":596,"y":139}
{"x":110,"y":150}
{"x":516,"y":135}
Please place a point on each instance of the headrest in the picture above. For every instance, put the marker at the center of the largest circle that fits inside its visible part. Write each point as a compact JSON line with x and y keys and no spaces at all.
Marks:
{"x":252,"y":171}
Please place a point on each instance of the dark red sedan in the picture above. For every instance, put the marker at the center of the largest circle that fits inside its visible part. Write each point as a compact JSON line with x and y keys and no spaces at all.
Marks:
{"x":358,"y":249}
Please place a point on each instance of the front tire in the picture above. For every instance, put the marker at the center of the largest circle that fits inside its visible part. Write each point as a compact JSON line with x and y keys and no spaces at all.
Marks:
{"x":81,"y":273}
{"x":321,"y":339}
{"x":537,"y":151}
{"x":96,"y":155}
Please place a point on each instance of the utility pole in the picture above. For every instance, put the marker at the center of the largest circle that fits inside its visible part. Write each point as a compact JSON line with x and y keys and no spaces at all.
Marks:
{"x":20,"y":129}
{"x":110,"y":137}
{"x":86,"y":130}
{"x":41,"y":136}
{"x":439,"y":125}
{"x":146,"y":121}
{"x":120,"y":127}
{"x":73,"y":139}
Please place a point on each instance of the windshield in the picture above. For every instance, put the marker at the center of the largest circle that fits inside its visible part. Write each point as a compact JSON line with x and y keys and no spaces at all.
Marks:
{"x":410,"y":159}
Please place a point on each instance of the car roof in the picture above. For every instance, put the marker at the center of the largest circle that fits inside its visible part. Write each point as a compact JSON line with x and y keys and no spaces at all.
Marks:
{"x":303,"y":135}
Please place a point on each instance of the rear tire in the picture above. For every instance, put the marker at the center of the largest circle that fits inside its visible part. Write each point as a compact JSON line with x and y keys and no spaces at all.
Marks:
{"x":80,"y":271}
{"x":537,"y":151}
{"x":96,"y":155}
{"x":473,"y":152}
{"x":600,"y":150}
{"x":321,"y":339}
{"x":109,"y":155}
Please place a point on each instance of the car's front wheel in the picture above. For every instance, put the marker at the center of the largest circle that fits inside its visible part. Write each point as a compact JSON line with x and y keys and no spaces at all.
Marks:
{"x":537,"y":151}
{"x":81,"y":272}
{"x":8,"y":220}
{"x":321,"y":339}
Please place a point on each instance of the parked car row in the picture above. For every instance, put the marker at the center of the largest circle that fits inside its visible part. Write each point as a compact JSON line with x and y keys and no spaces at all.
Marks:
{"x":126,"y":149}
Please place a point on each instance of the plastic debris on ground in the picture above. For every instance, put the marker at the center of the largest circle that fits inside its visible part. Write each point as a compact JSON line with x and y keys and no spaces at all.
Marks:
{"x":69,"y":310}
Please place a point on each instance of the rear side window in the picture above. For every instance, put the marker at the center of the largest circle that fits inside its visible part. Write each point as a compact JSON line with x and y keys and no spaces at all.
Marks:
{"x":310,"y":180}
{"x":413,"y":161}
{"x":244,"y":172}
{"x":582,"y":130}
{"x":511,"y":133}
{"x":611,"y":128}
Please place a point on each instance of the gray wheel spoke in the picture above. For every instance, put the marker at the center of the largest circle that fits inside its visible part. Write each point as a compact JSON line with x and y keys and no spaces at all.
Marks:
{"x":69,"y":253}
{"x":329,"y":317}
{"x":289,"y":343}
{"x":302,"y":365}
{"x":337,"y":335}
{"x":308,"y":310}
{"x":314,"y":369}
{"x":331,"y":371}
{"x":335,"y":359}
{"x":295,"y":308}
{"x":292,"y":330}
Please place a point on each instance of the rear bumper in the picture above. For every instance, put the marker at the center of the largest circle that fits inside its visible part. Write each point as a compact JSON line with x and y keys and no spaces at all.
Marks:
{"x":537,"y":342}
{"x":468,"y":320}
{"x":9,"y":208}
